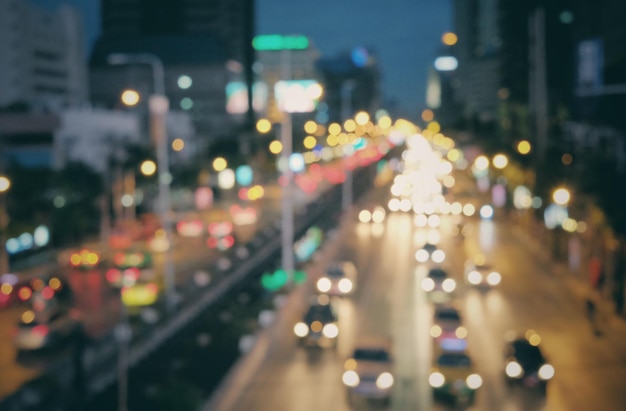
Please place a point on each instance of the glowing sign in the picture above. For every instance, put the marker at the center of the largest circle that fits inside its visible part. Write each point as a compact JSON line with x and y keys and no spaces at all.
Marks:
{"x":297,"y":96}
{"x":275,"y":42}
{"x":446,"y":63}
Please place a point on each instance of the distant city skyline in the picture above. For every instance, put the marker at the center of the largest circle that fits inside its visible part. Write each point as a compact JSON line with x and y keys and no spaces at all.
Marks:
{"x":405,"y":35}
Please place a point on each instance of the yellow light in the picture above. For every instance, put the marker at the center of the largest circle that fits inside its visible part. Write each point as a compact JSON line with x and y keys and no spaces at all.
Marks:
{"x":316,"y":326}
{"x":384,"y":122}
{"x":361,"y":118}
{"x":434,"y":127}
{"x":92,"y":258}
{"x":130,"y":98}
{"x":148,"y":168}
{"x":449,"y":39}
{"x":567,"y":159}
{"x":219,"y":164}
{"x":28,"y":317}
{"x":454,"y":155}
{"x":75,"y":259}
{"x":349,"y":125}
{"x":523,"y":147}
{"x":332,"y":140}
{"x":534,"y":339}
{"x":310,"y":127}
{"x":561,"y":196}
{"x":6,"y":288}
{"x":342,"y":138}
{"x":178,"y":144}
{"x":276,"y":147}
{"x":263,"y":126}
{"x":500,"y":161}
{"x":309,"y":142}
{"x":310,"y":157}
{"x":428,"y":115}
{"x":5,"y":184}
{"x":350,"y":364}
{"x":334,"y":129}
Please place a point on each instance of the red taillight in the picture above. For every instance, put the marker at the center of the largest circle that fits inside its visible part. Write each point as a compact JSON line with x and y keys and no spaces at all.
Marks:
{"x":40,"y":330}
{"x":47,"y":293}
{"x":113,"y":275}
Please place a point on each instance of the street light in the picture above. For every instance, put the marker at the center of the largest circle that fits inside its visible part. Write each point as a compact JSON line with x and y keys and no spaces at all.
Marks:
{"x":5,"y":184}
{"x":561,"y":196}
{"x":158,"y":107}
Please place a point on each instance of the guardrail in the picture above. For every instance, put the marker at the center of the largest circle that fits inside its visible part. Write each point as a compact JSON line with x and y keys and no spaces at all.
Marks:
{"x":99,"y":358}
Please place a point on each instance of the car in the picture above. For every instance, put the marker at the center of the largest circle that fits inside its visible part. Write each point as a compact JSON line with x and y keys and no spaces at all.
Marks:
{"x":10,"y":284}
{"x":132,"y":259}
{"x":338,"y":280}
{"x":372,"y":214}
{"x":447,"y":329}
{"x":85,"y":258}
{"x":42,"y":329}
{"x":525,"y":364}
{"x":453,"y":377}
{"x":481,"y":274}
{"x":430,"y":252}
{"x":368,"y":373}
{"x":438,"y":285}
{"x":318,"y":326}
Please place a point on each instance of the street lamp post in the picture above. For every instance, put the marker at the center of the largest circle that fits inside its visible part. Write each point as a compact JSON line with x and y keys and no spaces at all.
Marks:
{"x":159,"y":107}
{"x":346,"y":112}
{"x":5,"y":184}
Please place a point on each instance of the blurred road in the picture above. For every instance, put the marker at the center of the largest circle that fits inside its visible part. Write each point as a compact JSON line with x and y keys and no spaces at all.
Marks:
{"x":590,"y":370}
{"x":98,"y":304}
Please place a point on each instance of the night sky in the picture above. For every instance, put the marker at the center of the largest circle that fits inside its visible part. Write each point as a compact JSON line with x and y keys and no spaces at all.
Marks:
{"x":404,"y":34}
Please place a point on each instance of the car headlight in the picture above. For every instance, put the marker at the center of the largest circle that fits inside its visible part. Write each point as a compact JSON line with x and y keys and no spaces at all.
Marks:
{"x":513,"y":369}
{"x":301,"y":329}
{"x":422,"y":256}
{"x":384,"y":380}
{"x":448,"y":285}
{"x":350,"y":378}
{"x":323,"y":284}
{"x":474,"y":381}
{"x":494,"y":278}
{"x":365,"y":216}
{"x":428,"y":284}
{"x":460,"y":332}
{"x":435,"y":331}
{"x":436,"y":379}
{"x":546,"y":372}
{"x":474,"y":277}
{"x":330,"y":330}
{"x":345,"y":285}
{"x":378,"y":215}
{"x":438,"y":256}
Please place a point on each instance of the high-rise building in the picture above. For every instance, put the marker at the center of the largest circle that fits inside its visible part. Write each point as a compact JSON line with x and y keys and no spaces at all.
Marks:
{"x":477,"y":51}
{"x":202,"y":45}
{"x":352,"y":83}
{"x":42,"y":61}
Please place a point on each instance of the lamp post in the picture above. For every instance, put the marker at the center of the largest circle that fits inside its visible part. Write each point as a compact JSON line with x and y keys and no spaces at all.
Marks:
{"x":346,"y":112}
{"x":158,"y":107}
{"x":5,"y":184}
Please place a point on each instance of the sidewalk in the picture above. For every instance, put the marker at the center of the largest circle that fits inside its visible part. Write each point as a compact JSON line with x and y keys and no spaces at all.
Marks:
{"x":577,"y":285}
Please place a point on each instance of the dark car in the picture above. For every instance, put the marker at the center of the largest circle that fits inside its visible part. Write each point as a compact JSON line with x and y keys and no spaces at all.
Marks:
{"x":318,"y":327}
{"x":42,"y":330}
{"x":525,"y":364}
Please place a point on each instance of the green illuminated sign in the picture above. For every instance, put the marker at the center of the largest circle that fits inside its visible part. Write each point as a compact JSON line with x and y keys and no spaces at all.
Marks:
{"x":275,"y":42}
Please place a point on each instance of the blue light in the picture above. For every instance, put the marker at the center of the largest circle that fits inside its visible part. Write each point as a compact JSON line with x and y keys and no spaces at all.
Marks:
{"x":359,"y":56}
{"x":244,"y":175}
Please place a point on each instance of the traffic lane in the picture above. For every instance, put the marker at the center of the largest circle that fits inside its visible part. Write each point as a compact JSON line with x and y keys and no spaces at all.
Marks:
{"x":384,"y":303}
{"x":589,"y":370}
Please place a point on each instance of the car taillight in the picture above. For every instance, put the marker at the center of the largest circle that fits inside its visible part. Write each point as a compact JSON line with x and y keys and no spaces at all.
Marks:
{"x":40,"y":330}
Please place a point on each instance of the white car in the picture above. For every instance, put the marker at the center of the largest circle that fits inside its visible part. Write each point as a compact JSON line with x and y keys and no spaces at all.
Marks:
{"x":369,"y":372}
{"x":430,"y":252}
{"x":447,"y":329}
{"x":438,"y":286}
{"x":42,"y":330}
{"x":338,"y":280}
{"x":479,"y":273}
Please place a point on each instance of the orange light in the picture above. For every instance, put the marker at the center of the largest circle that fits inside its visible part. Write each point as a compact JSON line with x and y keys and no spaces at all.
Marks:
{"x":92,"y":258}
{"x":24,"y":293}
{"x":449,"y":39}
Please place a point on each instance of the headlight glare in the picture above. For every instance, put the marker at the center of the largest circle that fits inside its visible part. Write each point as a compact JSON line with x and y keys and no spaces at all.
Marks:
{"x":350,"y":378}
{"x":330,"y":330}
{"x":323,"y":284}
{"x":301,"y":329}
{"x":448,"y":285}
{"x":474,"y":381}
{"x":384,"y":380}
{"x":428,"y":284}
{"x":513,"y":369}
{"x":345,"y":285}
{"x":546,"y":372}
{"x":436,"y":379}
